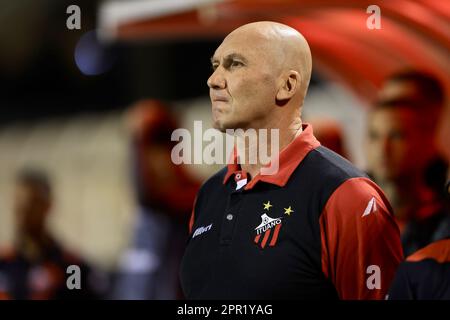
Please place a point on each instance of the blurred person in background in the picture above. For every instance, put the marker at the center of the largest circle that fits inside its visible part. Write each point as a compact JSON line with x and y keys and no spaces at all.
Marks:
{"x":148,"y":269}
{"x":36,"y":266}
{"x":425,"y":275}
{"x":403,"y":157}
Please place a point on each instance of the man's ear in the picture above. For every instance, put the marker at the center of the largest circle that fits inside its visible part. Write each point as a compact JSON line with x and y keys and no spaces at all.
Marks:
{"x":289,"y":86}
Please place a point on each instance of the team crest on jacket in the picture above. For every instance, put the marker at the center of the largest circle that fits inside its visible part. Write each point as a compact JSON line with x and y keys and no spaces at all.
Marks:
{"x":267,"y":231}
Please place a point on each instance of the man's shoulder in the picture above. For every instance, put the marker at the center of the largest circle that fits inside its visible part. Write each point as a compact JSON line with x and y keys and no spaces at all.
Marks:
{"x":329,"y":165}
{"x":209,"y":191}
{"x":215,"y":181}
{"x":341,"y":185}
{"x":438,"y":251}
{"x":422,"y":279}
{"x":212,"y":184}
{"x":322,"y":172}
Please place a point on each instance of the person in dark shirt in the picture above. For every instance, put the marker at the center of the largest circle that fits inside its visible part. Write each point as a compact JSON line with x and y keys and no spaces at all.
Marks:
{"x":164,"y":192}
{"x":313,"y":228}
{"x":403,"y":157}
{"x":425,"y":275}
{"x":36,"y":267}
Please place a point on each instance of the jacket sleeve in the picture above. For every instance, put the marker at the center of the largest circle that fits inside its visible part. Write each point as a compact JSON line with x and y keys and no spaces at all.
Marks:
{"x":361,"y":246}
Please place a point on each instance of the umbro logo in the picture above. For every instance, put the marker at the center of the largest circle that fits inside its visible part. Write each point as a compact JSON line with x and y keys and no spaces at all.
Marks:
{"x":201,"y":230}
{"x":371,"y":207}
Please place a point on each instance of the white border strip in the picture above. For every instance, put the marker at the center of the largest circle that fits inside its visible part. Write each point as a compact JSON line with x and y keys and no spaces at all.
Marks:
{"x":112,"y":14}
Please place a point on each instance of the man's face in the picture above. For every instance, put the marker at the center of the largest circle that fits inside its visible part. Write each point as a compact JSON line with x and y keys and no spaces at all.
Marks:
{"x":396,"y":147}
{"x":30,"y":209}
{"x":243,"y":84}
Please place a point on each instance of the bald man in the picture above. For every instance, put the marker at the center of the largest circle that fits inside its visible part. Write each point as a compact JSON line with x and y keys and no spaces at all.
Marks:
{"x":315,"y":228}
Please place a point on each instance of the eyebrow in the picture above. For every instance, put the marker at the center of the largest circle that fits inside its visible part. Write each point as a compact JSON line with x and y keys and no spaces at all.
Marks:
{"x":231,"y":56}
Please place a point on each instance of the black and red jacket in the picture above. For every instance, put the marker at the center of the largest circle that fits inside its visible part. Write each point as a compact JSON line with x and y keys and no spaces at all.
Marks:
{"x":317,"y":229}
{"x":425,"y":275}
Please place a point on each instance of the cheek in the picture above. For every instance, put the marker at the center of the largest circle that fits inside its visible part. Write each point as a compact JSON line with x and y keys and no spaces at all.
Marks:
{"x":370,"y":152}
{"x":371,"y":159}
{"x":252,"y":89}
{"x":241,"y":91}
{"x":374,"y":149}
{"x":415,"y":153}
{"x":403,"y":154}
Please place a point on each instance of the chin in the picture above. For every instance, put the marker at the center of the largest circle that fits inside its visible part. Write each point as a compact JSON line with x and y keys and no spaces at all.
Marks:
{"x":223,"y":125}
{"x":218,"y":126}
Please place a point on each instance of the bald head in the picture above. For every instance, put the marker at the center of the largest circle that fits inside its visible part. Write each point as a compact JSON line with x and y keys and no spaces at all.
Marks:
{"x":258,"y":68}
{"x":279,"y":43}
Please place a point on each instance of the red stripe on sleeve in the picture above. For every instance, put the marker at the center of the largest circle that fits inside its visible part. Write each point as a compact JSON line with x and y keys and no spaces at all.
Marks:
{"x":191,"y":220}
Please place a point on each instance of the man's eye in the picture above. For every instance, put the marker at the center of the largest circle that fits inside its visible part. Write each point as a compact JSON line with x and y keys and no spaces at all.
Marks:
{"x":214,"y":67}
{"x":235,"y":63}
{"x":373,"y":135}
{"x":397,"y":135}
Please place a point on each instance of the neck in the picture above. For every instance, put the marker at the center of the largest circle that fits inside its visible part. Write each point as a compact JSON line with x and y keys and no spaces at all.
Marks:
{"x":287,"y":132}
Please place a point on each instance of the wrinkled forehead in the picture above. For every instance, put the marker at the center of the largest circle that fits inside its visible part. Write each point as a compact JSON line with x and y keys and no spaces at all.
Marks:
{"x":398,"y":116}
{"x":395,"y":89}
{"x":251,"y":45}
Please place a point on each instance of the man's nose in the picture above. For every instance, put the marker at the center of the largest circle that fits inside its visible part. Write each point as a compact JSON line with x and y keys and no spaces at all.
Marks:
{"x":216,"y":80}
